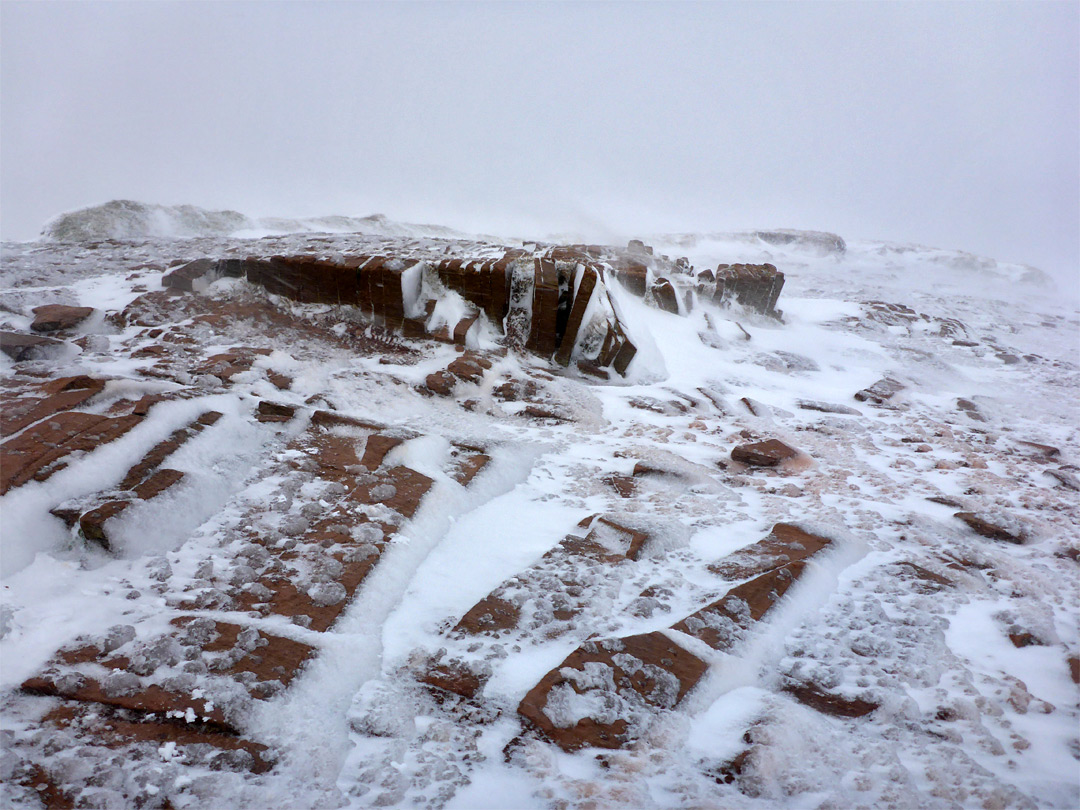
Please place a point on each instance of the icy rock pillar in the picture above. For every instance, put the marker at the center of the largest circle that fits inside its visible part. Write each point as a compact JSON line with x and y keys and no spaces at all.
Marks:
{"x":519,"y":317}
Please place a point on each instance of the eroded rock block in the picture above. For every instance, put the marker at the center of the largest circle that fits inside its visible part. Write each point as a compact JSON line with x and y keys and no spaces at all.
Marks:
{"x":61,"y":394}
{"x":768,"y":453}
{"x":193,"y":276}
{"x":441,"y":383}
{"x":274,"y":412}
{"x":604,"y":691}
{"x":754,"y":286}
{"x":992,"y":528}
{"x":723,"y":623}
{"x":576,"y":317}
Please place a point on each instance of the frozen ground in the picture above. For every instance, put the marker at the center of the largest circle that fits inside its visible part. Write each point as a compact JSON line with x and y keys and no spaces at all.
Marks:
{"x":963,"y":643}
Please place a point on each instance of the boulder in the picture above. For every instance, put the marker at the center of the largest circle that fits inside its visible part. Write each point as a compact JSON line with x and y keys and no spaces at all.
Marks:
{"x":753,"y":286}
{"x":193,"y":276}
{"x":768,"y":453}
{"x":665,"y":296}
{"x":56,"y":317}
{"x":274,"y":412}
{"x":881,"y":391}
{"x":20,"y":347}
{"x":812,"y":695}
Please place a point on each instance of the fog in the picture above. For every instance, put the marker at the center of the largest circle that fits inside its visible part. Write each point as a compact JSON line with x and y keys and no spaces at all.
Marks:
{"x":948,"y":124}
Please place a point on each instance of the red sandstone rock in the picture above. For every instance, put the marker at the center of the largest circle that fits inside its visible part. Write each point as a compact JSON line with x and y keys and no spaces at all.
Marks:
{"x":467,"y":468}
{"x":985,"y":526}
{"x":880,"y":392}
{"x":647,"y":670}
{"x":376,"y":449}
{"x":274,"y":412}
{"x":454,"y":677}
{"x":786,"y":543}
{"x":763,"y":454}
{"x":55,"y":317}
{"x":490,"y":614}
{"x":58,"y":395}
{"x":467,"y":369}
{"x":21,"y":347}
{"x":37,"y":453}
{"x":754,"y":286}
{"x":192,"y":277}
{"x":825,"y":702}
{"x":112,"y":730}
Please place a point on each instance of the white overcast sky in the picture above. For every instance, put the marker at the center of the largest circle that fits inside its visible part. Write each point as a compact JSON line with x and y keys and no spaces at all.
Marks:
{"x":953,"y":124}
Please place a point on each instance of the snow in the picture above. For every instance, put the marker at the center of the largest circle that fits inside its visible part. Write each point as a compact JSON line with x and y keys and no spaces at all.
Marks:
{"x":356,"y":729}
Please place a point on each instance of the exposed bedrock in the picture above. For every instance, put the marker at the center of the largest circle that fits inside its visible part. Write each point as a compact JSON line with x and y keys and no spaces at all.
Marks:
{"x":554,"y":303}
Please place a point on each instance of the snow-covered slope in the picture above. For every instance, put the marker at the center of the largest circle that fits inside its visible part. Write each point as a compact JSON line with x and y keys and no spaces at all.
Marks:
{"x":440,"y":543}
{"x":131,"y":220}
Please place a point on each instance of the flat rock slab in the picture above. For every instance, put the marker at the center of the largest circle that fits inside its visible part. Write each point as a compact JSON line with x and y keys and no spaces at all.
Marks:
{"x":55,"y":317}
{"x":558,"y":588}
{"x":723,"y":623}
{"x":239,"y":660}
{"x":594,"y":696}
{"x":604,"y":689}
{"x":110,"y":729}
{"x":768,"y":453}
{"x":61,"y":394}
{"x":468,"y":465}
{"x":786,"y":543}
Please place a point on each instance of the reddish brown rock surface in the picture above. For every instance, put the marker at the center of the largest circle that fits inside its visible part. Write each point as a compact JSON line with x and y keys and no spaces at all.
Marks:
{"x":990,"y":528}
{"x":754,"y":286}
{"x":768,"y":453}
{"x":56,"y":317}
{"x":645,"y":670}
{"x":786,"y":543}
{"x":20,"y":347}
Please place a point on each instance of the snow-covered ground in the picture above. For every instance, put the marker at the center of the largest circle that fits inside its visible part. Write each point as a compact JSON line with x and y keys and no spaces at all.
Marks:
{"x":908,"y":609}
